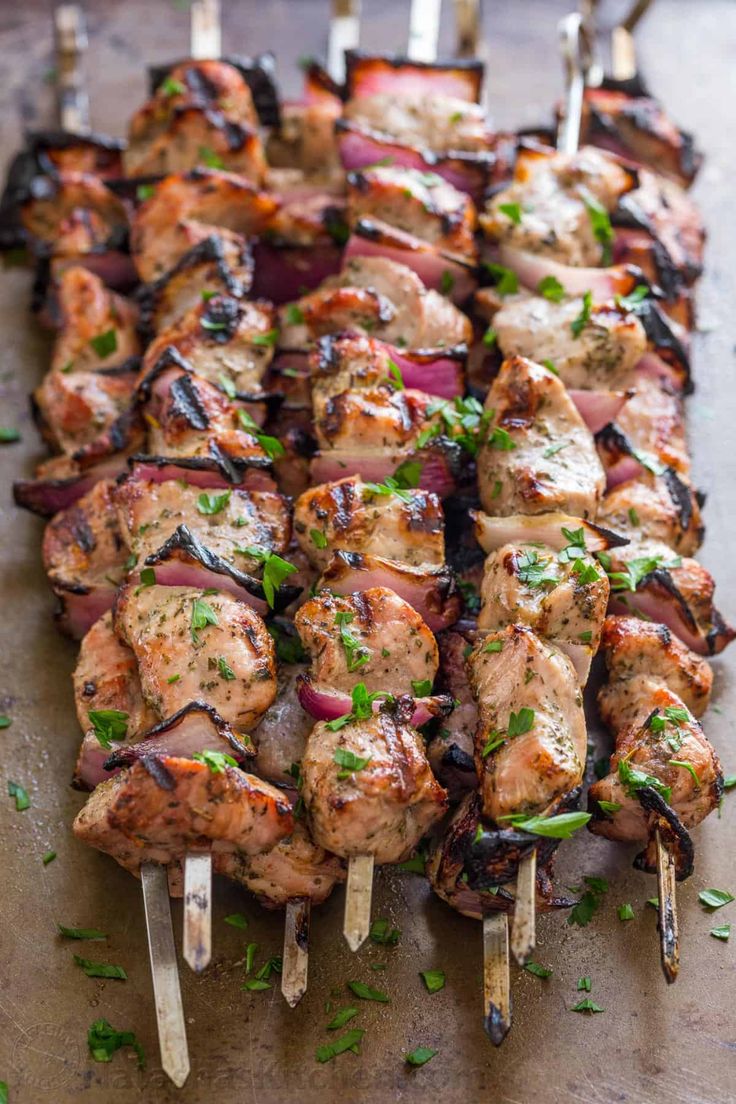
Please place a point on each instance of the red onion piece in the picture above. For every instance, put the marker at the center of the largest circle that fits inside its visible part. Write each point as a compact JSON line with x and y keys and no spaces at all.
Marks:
{"x":663,"y":610}
{"x":531,"y":268}
{"x":370,"y":76}
{"x":433,"y":269}
{"x":493,"y":533}
{"x":207,"y":476}
{"x":373,"y":467}
{"x":431,"y":370}
{"x":598,"y":408}
{"x":78,"y":612}
{"x":179,"y":573}
{"x":284,"y":273}
{"x":325,"y":704}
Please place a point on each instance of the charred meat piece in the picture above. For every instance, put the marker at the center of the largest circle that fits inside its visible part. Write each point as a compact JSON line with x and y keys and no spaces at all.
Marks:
{"x":184,"y":209}
{"x":653,"y":421}
{"x":562,"y":598}
{"x":106,"y":677}
{"x":191,"y":644}
{"x":301,"y":151}
{"x":72,"y":409}
{"x":367,"y":74}
{"x":602,"y":353}
{"x":296,"y":868}
{"x":384,"y":808}
{"x":375,"y":419}
{"x":226,"y":341}
{"x":163,"y":806}
{"x":554,"y":194}
{"x":72,"y":214}
{"x":202,"y":111}
{"x":383,"y":297}
{"x":372,"y":637}
{"x":450,"y":752}
{"x":531,"y":740}
{"x":428,"y":120}
{"x":663,"y":508}
{"x":538,"y":455}
{"x":97,"y":328}
{"x":669,"y":216}
{"x":84,"y":556}
{"x":419,"y":203}
{"x":634,"y":125}
{"x":348,"y":515}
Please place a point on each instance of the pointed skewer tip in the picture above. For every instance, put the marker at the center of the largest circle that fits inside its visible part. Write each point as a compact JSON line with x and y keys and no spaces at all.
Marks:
{"x":295,"y":961}
{"x":358,"y":894}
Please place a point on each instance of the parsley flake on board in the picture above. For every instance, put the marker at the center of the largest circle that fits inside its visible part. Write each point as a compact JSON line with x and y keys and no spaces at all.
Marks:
{"x":237,"y":920}
{"x":383,"y":934}
{"x":722,"y":933}
{"x":582,"y":913}
{"x":348,"y":1041}
{"x":434,"y":980}
{"x":368,"y":993}
{"x":625,"y":912}
{"x":420,"y":1056}
{"x":22,"y":800}
{"x":101,"y":969}
{"x":586,"y":1005}
{"x":342,"y":1017}
{"x":103,"y":1040}
{"x":713,"y":899}
{"x":537,"y":969}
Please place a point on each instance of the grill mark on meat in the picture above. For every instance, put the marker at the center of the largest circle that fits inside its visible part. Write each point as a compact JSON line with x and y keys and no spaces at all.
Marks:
{"x":158,"y":772}
{"x":186,"y":403}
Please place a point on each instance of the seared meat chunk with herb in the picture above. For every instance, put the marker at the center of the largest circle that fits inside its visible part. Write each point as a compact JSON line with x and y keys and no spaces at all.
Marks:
{"x":557,"y":204}
{"x":73,"y":215}
{"x":349,"y":514}
{"x":383,"y":297}
{"x":662,"y":508}
{"x":192,"y":644}
{"x":538,"y":455}
{"x":226,"y":341}
{"x":591,"y":348}
{"x":163,"y":806}
{"x":562,"y":596}
{"x":431,"y":120}
{"x":296,"y":867}
{"x":531,"y":740}
{"x":97,"y":329}
{"x":373,"y":637}
{"x":419,"y":203}
{"x":368,"y":787}
{"x":106,"y":678}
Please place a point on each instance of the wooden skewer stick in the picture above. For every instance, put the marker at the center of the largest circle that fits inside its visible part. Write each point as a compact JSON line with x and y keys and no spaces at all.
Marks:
{"x":172,"y":1036}
{"x":295,"y":962}
{"x":467,"y":28}
{"x":524,"y":924}
{"x":358,"y":894}
{"x":424,"y":30}
{"x":197,"y":941}
{"x":205,"y":33}
{"x":496,"y":980}
{"x":344,"y":35}
{"x":669,"y":939}
{"x":71,"y":42}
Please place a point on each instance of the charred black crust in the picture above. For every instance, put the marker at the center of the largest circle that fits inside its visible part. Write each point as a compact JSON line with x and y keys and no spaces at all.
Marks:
{"x":221,"y":318}
{"x":232,"y":469}
{"x":183,"y":540}
{"x":127,"y":756}
{"x":678,"y":839}
{"x":258,"y":73}
{"x":186,"y":403}
{"x":160,"y":774}
{"x":662,"y":336}
{"x":682,"y":498}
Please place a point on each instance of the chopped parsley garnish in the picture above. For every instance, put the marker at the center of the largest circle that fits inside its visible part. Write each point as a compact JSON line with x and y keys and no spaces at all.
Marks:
{"x":420,"y":1056}
{"x":9,"y":435}
{"x":227,"y":386}
{"x":688,"y":767}
{"x":349,"y":761}
{"x":275,"y":570}
{"x":551,"y":288}
{"x":634,"y":780}
{"x":651,"y":463}
{"x":490,"y":337}
{"x":390,"y":486}
{"x":224,"y":669}
{"x":554,"y":449}
{"x":633,"y":516}
{"x":421,"y":688}
{"x":103,"y":1040}
{"x":5,"y":721}
{"x":505,"y":279}
{"x":342,"y":1017}
{"x":90,"y":934}
{"x":501,"y":439}
{"x":533,"y":571}
{"x":147,"y":578}
{"x":237,"y":920}
{"x":255,"y":985}
{"x":202,"y":615}
{"x":578,"y":324}
{"x":586,"y":636}
{"x":584,"y":984}
{"x":356,"y":653}
{"x":464,"y":418}
{"x":714,"y":898}
{"x":519,"y":724}
{"x":172,"y":87}
{"x":210,"y":504}
{"x":395,"y":376}
{"x":585,"y":572}
{"x":433,"y":979}
{"x":493,"y":646}
{"x":723,"y":932}
{"x":48,"y":857}
{"x":408,"y":473}
{"x":270,"y":445}
{"x":675,"y":716}
{"x":348,"y":1041}
{"x":368,"y":993}
{"x":591,"y":900}
{"x":586,"y":1005}
{"x":625,"y":912}
{"x":108,"y":725}
{"x":610,"y":807}
{"x":601,"y":225}
{"x":268,"y":339}
{"x":212,"y":325}
{"x":144,"y":191}
{"x":560,"y":826}
{"x":383,"y":934}
{"x":362,"y":707}
{"x":634,"y":299}
{"x":105,"y":344}
{"x":318,"y":538}
{"x":576,"y":548}
{"x":447,"y":282}
{"x":216,"y":761}
{"x":101,"y":969}
{"x":294,"y":315}
{"x":634,"y":572}
{"x":551,"y":367}
{"x":416,"y":864}
{"x":209,"y":158}
{"x":512,"y":211}
{"x":288,"y":645}
{"x":537,"y":969}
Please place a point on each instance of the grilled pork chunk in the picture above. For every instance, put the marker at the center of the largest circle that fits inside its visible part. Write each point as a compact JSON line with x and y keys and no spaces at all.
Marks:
{"x":375,"y":419}
{"x":419,"y":203}
{"x":106,"y":677}
{"x":226,"y":341}
{"x":73,"y":214}
{"x":385,"y":807}
{"x":450,"y":753}
{"x":554,"y":194}
{"x":295,"y":868}
{"x":538,"y":456}
{"x":663,"y":508}
{"x":202,"y":111}
{"x":97,"y":328}
{"x":531,"y":740}
{"x":191,"y":644}
{"x":347,"y":515}
{"x":84,"y":557}
{"x":562,"y":599}
{"x":383,"y":297}
{"x":603,"y":354}
{"x":653,"y":421}
{"x":163,"y":806}
{"x":372,"y":637}
{"x":184,"y":209}
{"x":432,"y":120}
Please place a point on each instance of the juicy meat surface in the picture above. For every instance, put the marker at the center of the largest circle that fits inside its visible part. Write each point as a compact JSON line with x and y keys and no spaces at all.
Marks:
{"x":73,"y":214}
{"x":221,"y":263}
{"x":554,"y":193}
{"x":662,"y":508}
{"x":384,"y":808}
{"x":603,"y":355}
{"x":83,"y":545}
{"x":191,"y":644}
{"x":295,"y":868}
{"x":528,"y":772}
{"x":89,"y":311}
{"x":224,"y":521}
{"x":373,"y":637}
{"x":419,"y":203}
{"x":349,"y":516}
{"x":431,"y":120}
{"x":163,"y":806}
{"x":538,"y":455}
{"x":225,"y":340}
{"x":106,"y":677}
{"x":373,"y":293}
{"x":375,"y":419}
